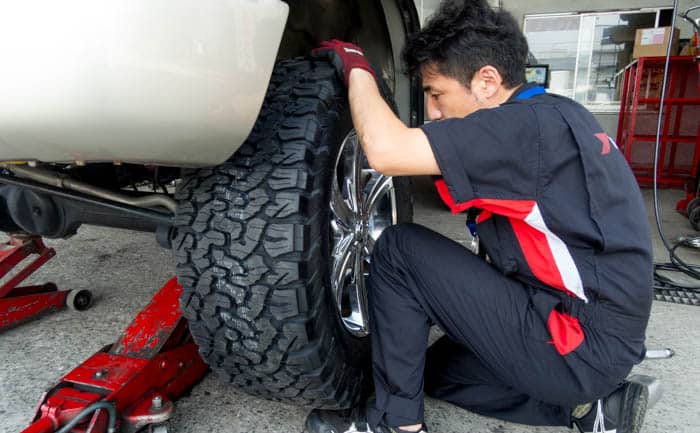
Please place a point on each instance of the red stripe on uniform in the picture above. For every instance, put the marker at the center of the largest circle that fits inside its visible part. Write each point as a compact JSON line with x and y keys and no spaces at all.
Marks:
{"x":603,"y":137}
{"x":446,"y":197}
{"x":509,"y":208}
{"x":566,"y":332}
{"x":533,"y":242}
{"x":538,"y":255}
{"x":516,"y":209}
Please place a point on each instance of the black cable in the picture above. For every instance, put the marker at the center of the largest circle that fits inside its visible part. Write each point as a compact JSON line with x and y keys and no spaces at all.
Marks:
{"x":658,"y":131}
{"x":685,"y":16}
{"x":693,"y":271}
{"x":676,"y":263}
{"x":111,"y":411}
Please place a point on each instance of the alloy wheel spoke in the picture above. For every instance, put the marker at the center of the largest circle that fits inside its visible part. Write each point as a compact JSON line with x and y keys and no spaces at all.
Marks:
{"x":353,"y":182}
{"x":358,"y":295}
{"x":381,"y":186}
{"x":344,"y":254}
{"x":368,"y":247}
{"x":341,"y":211}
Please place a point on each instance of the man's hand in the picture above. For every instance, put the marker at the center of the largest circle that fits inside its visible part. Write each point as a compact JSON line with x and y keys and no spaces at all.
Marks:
{"x":344,"y":56}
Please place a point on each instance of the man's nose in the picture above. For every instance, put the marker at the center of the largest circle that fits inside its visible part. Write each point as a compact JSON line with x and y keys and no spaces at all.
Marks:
{"x":434,"y":112}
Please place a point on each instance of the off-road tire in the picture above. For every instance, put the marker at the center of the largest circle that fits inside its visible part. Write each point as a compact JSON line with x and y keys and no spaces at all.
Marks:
{"x":252,"y":249}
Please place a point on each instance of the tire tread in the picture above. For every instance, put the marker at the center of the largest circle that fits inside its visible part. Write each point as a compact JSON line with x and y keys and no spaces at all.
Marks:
{"x":248,"y":248}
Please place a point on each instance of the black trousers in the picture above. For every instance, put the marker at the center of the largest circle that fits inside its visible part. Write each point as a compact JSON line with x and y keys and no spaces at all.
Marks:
{"x":495,"y":358}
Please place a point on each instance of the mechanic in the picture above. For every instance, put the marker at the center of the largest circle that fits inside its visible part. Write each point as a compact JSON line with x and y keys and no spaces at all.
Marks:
{"x":545,"y":330}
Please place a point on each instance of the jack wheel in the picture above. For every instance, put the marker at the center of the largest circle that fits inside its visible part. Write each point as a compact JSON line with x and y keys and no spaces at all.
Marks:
{"x":163,"y":427}
{"x":692,"y":205}
{"x":694,"y":218}
{"x":79,"y":300}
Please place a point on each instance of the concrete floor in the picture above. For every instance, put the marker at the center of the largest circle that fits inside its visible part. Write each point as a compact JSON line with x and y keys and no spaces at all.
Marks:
{"x":124,"y":269}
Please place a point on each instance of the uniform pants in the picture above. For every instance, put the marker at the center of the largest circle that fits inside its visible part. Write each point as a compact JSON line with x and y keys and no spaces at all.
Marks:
{"x":495,"y":359}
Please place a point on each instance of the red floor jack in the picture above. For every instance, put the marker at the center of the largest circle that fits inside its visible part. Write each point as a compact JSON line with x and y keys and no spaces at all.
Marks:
{"x":19,"y":304}
{"x":131,"y":384}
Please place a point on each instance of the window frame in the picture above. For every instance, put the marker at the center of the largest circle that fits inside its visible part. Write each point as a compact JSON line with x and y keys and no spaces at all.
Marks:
{"x":611,"y":107}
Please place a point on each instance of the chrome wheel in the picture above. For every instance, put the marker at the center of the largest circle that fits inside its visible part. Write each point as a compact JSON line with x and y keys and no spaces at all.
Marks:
{"x":363,"y":204}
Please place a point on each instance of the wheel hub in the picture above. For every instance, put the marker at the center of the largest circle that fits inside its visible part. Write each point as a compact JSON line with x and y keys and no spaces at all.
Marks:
{"x":363,"y":204}
{"x":360,"y":231}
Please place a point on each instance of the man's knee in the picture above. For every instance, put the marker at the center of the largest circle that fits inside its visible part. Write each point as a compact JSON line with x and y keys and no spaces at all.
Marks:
{"x":392,"y":234}
{"x":386,"y":246}
{"x":396,"y":240}
{"x":389,"y":263}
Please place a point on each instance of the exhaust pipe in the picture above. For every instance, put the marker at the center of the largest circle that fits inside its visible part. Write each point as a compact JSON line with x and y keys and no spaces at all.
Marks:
{"x":63,"y":182}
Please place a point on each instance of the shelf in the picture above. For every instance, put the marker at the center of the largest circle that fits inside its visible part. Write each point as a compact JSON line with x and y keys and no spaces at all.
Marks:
{"x":661,"y":182}
{"x":641,"y":98}
{"x":649,"y":170}
{"x":666,"y":139}
{"x":661,"y":60}
{"x":680,"y":101}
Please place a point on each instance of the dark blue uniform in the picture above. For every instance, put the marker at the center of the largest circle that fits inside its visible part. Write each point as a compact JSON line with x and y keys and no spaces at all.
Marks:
{"x":557,"y":316}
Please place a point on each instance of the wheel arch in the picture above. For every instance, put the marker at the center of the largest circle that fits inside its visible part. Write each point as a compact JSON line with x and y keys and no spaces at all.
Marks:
{"x":380,"y":27}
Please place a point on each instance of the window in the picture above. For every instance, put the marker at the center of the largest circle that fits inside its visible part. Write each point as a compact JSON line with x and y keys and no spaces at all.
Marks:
{"x":586,"y":51}
{"x":426,"y":8}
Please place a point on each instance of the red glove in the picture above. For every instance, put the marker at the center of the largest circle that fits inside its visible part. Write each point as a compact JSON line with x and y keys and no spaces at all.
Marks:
{"x":344,"y":56}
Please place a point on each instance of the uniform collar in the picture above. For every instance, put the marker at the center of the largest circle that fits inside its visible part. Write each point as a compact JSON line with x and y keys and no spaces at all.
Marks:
{"x":525,"y":91}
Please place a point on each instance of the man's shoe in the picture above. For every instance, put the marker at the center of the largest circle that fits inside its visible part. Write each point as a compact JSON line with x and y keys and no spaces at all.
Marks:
{"x":381,"y":428}
{"x":346,"y":421}
{"x":620,"y":412}
{"x":336,"y":421}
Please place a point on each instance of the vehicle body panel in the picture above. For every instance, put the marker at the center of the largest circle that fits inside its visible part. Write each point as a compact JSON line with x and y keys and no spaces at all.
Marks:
{"x":172,"y":82}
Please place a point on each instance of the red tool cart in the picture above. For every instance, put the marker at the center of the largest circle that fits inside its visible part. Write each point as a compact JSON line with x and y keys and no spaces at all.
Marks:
{"x":680,"y":135}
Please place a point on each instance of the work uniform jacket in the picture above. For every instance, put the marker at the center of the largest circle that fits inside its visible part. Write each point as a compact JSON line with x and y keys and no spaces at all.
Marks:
{"x":560,"y":208}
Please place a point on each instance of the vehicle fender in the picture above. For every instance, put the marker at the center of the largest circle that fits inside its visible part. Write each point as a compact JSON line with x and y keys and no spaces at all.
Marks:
{"x":169,"y":82}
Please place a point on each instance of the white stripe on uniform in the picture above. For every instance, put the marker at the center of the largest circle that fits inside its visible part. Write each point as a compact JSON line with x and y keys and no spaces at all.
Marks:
{"x":562,"y":257}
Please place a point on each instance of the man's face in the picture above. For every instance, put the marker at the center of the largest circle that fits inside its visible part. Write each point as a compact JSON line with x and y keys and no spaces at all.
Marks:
{"x":447,"y":98}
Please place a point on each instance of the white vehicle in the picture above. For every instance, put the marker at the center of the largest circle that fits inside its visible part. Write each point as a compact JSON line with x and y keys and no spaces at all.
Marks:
{"x":203,"y":122}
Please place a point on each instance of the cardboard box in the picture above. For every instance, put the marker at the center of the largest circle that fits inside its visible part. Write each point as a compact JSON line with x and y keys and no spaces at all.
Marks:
{"x":654,"y":42}
{"x":690,"y":48}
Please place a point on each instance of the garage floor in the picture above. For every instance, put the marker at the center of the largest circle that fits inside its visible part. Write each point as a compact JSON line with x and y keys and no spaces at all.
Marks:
{"x":124,"y":269}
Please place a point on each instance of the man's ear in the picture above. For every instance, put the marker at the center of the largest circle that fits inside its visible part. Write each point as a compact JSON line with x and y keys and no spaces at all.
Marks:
{"x":488,"y":82}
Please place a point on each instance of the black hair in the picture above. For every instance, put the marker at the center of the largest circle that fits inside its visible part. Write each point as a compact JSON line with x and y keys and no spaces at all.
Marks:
{"x":465,"y":35}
